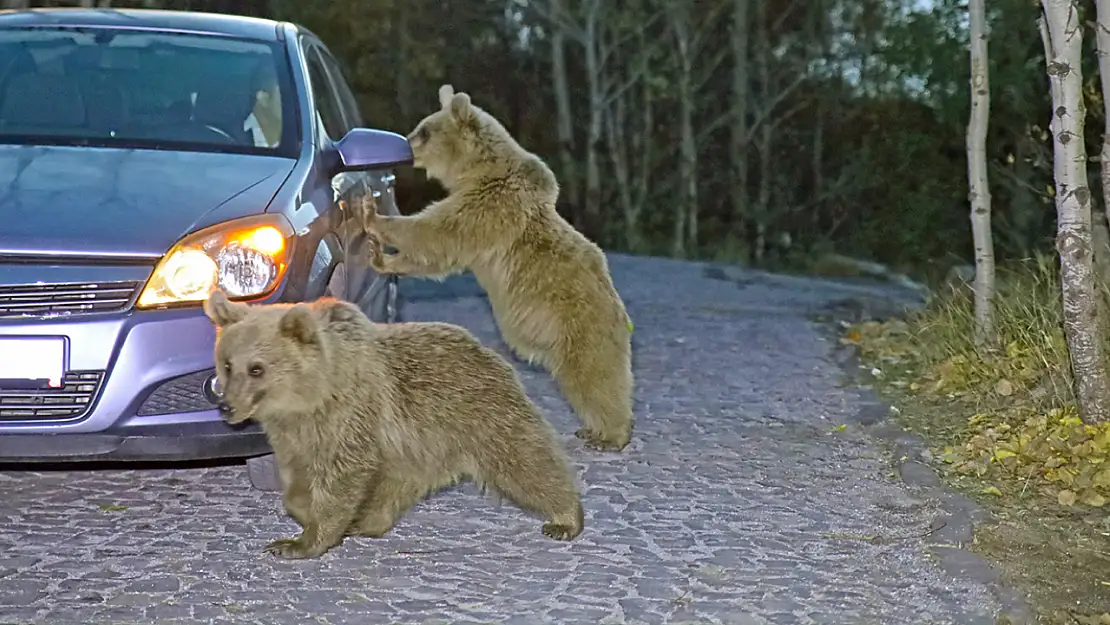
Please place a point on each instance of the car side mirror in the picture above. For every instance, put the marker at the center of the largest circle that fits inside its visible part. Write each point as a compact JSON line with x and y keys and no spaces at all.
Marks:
{"x":369,"y":148}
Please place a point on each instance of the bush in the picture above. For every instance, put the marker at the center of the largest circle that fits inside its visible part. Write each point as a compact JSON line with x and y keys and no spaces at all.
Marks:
{"x":1007,"y":414}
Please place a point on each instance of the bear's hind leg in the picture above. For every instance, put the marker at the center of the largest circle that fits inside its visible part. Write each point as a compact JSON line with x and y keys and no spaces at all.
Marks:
{"x":537,"y":480}
{"x":599,"y":387}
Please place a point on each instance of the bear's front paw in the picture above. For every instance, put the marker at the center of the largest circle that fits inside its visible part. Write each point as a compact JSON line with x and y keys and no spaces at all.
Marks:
{"x":559,"y":531}
{"x":370,"y":214}
{"x":293,"y":549}
{"x":377,"y":257}
{"x":598,"y":442}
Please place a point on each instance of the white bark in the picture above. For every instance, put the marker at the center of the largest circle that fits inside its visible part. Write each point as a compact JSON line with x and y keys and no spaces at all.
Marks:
{"x":978,"y":182}
{"x":630,"y":146}
{"x":763,"y":67}
{"x":738,"y":142}
{"x":16,"y":4}
{"x":564,"y":128}
{"x":686,"y":209}
{"x":593,"y":27}
{"x":1102,"y":241}
{"x":1061,"y":32}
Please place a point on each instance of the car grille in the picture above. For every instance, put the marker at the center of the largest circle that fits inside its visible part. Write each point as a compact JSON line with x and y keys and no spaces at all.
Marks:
{"x":181,"y":394}
{"x":65,"y":299}
{"x":55,"y":404}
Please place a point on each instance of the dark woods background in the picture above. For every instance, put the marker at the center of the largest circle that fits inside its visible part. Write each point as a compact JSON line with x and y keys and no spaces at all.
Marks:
{"x":765,"y":131}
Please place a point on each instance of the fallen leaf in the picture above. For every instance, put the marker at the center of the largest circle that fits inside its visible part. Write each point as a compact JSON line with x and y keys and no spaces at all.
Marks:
{"x":1057,"y":461}
{"x":110,"y":507}
{"x":1102,"y":478}
{"x":841,"y":427}
{"x":1000,"y":454}
{"x":991,"y":490}
{"x":1094,"y":500}
{"x":1067,"y":498}
{"x":1004,"y":387}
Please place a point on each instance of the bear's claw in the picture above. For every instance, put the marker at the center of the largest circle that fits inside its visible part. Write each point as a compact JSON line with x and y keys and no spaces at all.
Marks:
{"x":558,"y":531}
{"x":596,"y":441}
{"x":291,"y":549}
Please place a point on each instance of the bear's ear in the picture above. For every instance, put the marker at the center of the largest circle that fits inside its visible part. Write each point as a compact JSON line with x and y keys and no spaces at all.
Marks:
{"x":460,"y":108}
{"x":299,"y":324}
{"x":222,"y":311}
{"x":446,"y":92}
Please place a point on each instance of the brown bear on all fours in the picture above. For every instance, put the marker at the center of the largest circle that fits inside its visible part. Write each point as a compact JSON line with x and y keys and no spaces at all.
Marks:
{"x":367,"y":419}
{"x":548,"y":285}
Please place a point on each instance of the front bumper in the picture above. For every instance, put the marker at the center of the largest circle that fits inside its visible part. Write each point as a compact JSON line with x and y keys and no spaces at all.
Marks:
{"x":141,"y":378}
{"x":200,"y":440}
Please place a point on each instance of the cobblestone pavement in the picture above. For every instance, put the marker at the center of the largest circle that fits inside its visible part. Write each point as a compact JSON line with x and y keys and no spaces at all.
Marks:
{"x":731,"y":505}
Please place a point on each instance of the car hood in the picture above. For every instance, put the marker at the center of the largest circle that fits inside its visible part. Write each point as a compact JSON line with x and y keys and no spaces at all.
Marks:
{"x":92,"y":202}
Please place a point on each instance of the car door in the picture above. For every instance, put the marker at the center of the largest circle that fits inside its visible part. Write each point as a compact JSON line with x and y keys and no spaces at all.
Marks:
{"x":352,"y":278}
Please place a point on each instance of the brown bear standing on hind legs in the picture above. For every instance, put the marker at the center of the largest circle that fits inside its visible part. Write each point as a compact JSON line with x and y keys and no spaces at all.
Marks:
{"x":549,"y":286}
{"x":367,"y":419}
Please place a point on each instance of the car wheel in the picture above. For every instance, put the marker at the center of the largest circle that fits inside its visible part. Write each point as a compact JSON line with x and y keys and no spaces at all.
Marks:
{"x":263,"y":473}
{"x":386,"y":305}
{"x":395,"y":302}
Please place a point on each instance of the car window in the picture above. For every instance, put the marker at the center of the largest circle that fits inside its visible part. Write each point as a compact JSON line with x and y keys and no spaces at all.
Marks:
{"x":347,"y":100}
{"x":143,"y":89}
{"x":327,"y":105}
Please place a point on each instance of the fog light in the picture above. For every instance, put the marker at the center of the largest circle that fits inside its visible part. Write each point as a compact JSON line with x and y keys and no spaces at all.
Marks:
{"x":212,"y":389}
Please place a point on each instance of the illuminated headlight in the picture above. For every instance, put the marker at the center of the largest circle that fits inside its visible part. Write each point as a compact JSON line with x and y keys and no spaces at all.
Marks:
{"x":246,"y":258}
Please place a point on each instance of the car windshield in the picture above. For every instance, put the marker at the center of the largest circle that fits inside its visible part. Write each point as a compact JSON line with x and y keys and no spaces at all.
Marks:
{"x":145,"y":89}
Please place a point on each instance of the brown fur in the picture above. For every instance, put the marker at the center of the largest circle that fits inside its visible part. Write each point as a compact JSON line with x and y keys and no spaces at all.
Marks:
{"x":367,"y":419}
{"x":549,"y":286}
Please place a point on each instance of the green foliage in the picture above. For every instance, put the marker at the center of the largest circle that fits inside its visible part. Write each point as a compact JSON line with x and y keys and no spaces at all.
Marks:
{"x":867,"y":154}
{"x":1019,"y":428}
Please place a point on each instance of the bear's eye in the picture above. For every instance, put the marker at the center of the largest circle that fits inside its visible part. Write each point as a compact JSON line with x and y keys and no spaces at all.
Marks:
{"x":255,"y":370}
{"x":227,"y":366}
{"x":423,"y":133}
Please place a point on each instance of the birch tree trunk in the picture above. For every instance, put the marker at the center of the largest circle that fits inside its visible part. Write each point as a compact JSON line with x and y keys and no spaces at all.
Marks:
{"x":591,"y":211}
{"x":1061,"y":32}
{"x":738,"y":142}
{"x":1100,"y":240}
{"x":564,"y":128}
{"x":630,"y":144}
{"x":978,"y":182}
{"x":763,"y":65}
{"x":818,"y":13}
{"x":16,"y":4}
{"x":1100,"y":235}
{"x":685,"y":210}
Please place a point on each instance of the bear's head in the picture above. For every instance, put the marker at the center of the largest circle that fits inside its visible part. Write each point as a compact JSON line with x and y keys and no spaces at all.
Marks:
{"x":459,"y":139}
{"x":270,"y":360}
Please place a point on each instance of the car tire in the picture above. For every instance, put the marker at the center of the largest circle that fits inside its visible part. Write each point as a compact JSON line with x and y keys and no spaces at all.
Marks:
{"x":397,"y":314}
{"x":387,"y":305}
{"x":263,"y":473}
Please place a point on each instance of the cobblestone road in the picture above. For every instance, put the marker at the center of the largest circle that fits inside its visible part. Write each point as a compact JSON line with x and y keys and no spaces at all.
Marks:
{"x":725,"y":508}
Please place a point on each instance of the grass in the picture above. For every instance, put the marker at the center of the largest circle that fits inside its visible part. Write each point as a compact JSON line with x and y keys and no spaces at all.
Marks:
{"x":1003,"y":428}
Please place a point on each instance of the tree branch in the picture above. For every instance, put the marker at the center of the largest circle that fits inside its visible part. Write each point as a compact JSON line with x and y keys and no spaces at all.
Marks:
{"x":558,"y":19}
{"x":768,"y":108}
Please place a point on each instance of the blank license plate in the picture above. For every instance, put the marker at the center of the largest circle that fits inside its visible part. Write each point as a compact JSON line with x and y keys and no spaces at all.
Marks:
{"x":32,"y":361}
